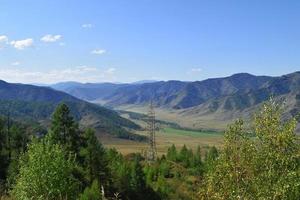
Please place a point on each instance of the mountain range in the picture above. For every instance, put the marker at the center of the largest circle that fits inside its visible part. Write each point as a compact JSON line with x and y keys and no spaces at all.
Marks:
{"x":34,"y":103}
{"x":209,"y":103}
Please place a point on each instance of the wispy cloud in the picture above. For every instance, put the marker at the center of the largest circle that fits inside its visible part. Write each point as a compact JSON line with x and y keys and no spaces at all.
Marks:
{"x":194,"y":71}
{"x":51,"y":38}
{"x":22,"y":44}
{"x":3,"y":38}
{"x":16,"y":63}
{"x":80,"y":73}
{"x":3,"y":41}
{"x":98,"y":51}
{"x":111,"y":70}
{"x":87,"y":25}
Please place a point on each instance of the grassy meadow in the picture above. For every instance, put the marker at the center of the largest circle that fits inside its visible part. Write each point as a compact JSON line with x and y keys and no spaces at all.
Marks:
{"x":165,"y":138}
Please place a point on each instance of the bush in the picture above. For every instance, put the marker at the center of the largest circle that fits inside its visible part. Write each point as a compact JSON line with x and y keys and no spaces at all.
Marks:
{"x":92,"y":193}
{"x":263,"y":166}
{"x":45,"y":173}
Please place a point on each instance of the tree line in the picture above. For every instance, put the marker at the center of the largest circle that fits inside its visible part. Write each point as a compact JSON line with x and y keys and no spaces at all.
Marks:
{"x":65,"y":162}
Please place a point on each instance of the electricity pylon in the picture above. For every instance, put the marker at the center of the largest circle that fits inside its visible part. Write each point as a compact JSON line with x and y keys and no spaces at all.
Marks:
{"x":151,"y":128}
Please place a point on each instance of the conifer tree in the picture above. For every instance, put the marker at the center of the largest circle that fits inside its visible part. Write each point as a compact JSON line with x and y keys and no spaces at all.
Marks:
{"x":95,"y":159}
{"x":196,"y":163}
{"x":137,"y":178}
{"x":172,"y":153}
{"x":64,"y":130}
{"x":92,"y":193}
{"x":210,"y":156}
{"x":3,"y":153}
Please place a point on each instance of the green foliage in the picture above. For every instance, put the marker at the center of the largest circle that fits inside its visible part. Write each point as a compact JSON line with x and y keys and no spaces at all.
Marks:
{"x":265,"y":166}
{"x":197,"y":166}
{"x":64,"y":130}
{"x":172,"y":153}
{"x":165,"y":169}
{"x":210,"y":157}
{"x":176,"y":175}
{"x":92,"y":193}
{"x":106,"y":120}
{"x":262,"y":164}
{"x":95,"y":161}
{"x":45,"y":173}
{"x":137,"y":177}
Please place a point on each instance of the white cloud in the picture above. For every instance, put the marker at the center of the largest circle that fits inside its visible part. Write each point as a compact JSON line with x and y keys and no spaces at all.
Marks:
{"x":62,"y":44}
{"x":3,"y":41}
{"x":98,"y":51}
{"x":3,"y":38}
{"x":80,"y":73}
{"x":194,"y":71}
{"x":22,"y":44}
{"x":110,"y":71}
{"x":15,"y":63}
{"x":51,"y":38}
{"x":87,"y":25}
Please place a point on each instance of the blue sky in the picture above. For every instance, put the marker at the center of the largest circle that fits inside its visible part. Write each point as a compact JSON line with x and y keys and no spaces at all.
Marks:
{"x":128,"y":40}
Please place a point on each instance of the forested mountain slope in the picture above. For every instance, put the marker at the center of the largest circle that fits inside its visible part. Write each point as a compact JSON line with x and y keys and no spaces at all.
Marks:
{"x":28,"y":102}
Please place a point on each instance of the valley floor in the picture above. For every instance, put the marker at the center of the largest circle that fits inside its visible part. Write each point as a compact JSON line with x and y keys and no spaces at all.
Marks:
{"x":165,"y":137}
{"x":185,"y":117}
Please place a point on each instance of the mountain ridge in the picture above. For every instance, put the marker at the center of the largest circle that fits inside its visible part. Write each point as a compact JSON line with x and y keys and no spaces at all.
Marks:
{"x":211,"y":100}
{"x":36,"y":103}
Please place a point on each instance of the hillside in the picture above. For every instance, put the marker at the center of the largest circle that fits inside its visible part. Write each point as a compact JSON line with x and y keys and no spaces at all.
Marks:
{"x":180,"y":95}
{"x":209,"y":104}
{"x":87,"y":91}
{"x":237,"y":96}
{"x":33,"y":103}
{"x":93,"y":91}
{"x":286,"y":88}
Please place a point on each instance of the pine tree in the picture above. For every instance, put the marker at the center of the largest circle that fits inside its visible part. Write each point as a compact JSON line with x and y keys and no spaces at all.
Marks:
{"x":137,"y":179}
{"x":210,"y":156}
{"x":92,"y":193}
{"x":172,"y":153}
{"x":184,"y":156}
{"x":3,"y":154}
{"x":19,"y":139}
{"x":95,"y":160}
{"x":64,"y":130}
{"x":196,"y":163}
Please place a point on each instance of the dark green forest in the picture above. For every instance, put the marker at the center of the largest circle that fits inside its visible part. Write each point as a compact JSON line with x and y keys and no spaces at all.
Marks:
{"x":66,"y":162}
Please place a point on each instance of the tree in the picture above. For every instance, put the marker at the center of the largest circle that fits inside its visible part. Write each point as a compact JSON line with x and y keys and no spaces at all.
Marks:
{"x":3,"y":155}
{"x":64,"y":130}
{"x":95,"y":160}
{"x":92,"y":193}
{"x":196,"y":163}
{"x":45,"y":173}
{"x":210,"y":157}
{"x":261,"y":165}
{"x":184,"y":156}
{"x":172,"y":153}
{"x":277,"y":161}
{"x":19,"y":139}
{"x":165,"y":169}
{"x":137,"y":179}
{"x":2,"y":135}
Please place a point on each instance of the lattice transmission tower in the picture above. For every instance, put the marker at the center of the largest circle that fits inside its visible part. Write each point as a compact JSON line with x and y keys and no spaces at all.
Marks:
{"x":151,"y":129}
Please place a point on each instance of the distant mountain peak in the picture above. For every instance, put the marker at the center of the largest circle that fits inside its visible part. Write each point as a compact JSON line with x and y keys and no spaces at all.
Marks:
{"x":144,"y":81}
{"x":242,"y":74}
